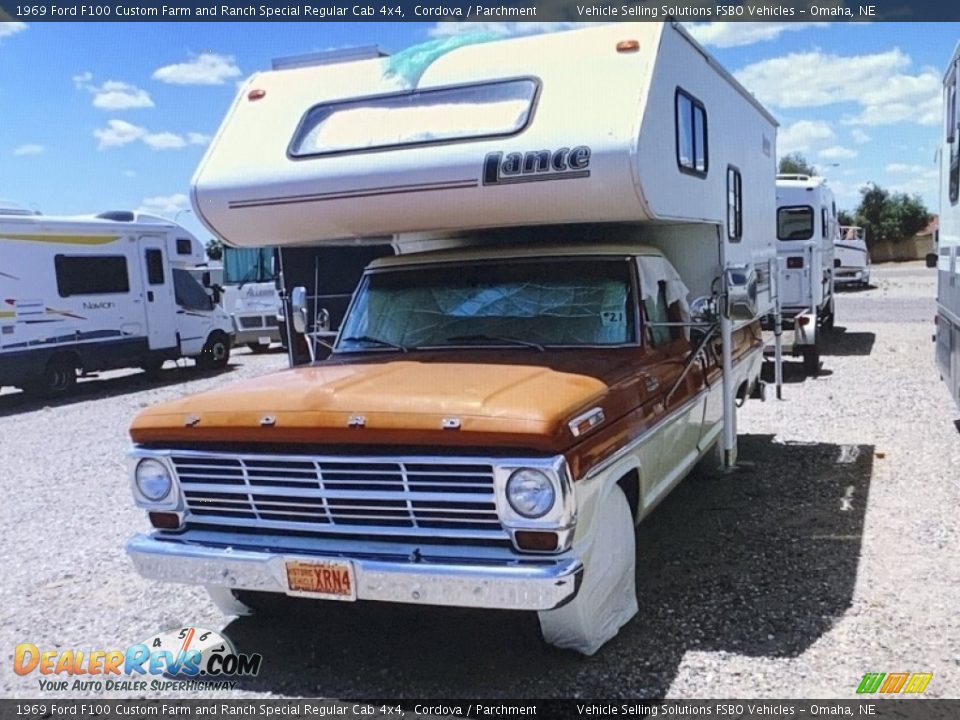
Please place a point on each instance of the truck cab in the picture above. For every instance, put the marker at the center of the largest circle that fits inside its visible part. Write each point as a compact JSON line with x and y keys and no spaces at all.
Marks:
{"x":251,"y":296}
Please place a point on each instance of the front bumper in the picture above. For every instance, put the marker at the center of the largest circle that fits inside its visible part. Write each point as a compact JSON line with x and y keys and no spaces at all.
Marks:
{"x":536,"y":584}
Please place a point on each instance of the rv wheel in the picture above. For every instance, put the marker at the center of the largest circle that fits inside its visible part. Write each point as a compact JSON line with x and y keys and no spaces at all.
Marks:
{"x":59,"y":377}
{"x":216,"y":353}
{"x":257,"y":348}
{"x":811,"y":360}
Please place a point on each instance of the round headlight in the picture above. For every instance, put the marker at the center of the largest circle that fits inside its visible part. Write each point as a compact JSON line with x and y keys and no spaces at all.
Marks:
{"x":153,"y":480}
{"x":530,"y":493}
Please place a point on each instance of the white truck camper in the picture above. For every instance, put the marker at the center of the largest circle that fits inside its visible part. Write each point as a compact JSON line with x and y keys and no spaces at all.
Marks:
{"x":947,"y":256}
{"x":583,"y":225}
{"x":92,"y":293}
{"x":852,"y":261}
{"x":807,"y":230}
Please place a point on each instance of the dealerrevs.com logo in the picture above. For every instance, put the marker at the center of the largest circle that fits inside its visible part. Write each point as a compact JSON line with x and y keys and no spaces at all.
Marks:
{"x":182,"y":659}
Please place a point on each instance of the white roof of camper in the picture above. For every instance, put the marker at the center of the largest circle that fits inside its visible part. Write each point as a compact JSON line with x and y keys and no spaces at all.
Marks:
{"x":483,"y":251}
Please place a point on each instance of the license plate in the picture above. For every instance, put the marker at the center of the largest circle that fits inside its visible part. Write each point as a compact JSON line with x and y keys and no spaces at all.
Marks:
{"x":331,"y":579}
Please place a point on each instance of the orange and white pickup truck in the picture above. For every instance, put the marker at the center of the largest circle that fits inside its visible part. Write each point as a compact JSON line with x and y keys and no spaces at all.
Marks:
{"x":501,"y":406}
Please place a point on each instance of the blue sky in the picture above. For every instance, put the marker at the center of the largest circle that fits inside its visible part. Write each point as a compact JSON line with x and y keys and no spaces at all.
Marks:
{"x":117,"y":115}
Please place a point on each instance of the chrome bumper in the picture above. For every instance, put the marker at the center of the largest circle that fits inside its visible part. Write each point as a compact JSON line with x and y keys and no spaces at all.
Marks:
{"x":541,"y":584}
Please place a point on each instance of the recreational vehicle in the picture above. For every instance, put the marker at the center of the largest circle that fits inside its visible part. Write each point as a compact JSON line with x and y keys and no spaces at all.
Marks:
{"x":92,"y":293}
{"x":852,"y":260}
{"x":582,"y":222}
{"x":807,"y":229}
{"x":251,"y":295}
{"x":948,"y":236}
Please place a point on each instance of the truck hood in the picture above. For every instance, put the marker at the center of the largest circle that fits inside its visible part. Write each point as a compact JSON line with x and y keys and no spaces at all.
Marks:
{"x":409,"y":402}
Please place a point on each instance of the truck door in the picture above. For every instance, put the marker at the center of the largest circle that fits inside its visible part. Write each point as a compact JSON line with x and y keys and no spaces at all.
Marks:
{"x":158,"y":299}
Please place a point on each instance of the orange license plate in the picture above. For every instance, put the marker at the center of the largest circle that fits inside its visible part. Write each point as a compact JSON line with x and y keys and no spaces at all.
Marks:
{"x":332,"y":579}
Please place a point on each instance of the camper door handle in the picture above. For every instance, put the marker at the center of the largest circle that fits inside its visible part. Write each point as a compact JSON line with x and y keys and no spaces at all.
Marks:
{"x":149,"y":295}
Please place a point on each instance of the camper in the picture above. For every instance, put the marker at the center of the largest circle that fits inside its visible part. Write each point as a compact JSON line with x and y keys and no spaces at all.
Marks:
{"x":946,"y":259}
{"x":807,"y":229}
{"x":251,"y":295}
{"x":566,"y":330}
{"x":852,"y":260}
{"x":92,"y":293}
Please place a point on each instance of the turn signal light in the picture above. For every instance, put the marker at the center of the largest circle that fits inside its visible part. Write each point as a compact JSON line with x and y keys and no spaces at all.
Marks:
{"x":165,"y":520}
{"x":804,"y":319}
{"x":536,"y":540}
{"x":794,"y":263}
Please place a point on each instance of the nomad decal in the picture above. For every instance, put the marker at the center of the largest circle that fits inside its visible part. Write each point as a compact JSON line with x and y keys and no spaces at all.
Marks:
{"x":536,"y":166}
{"x":892,"y":683}
{"x":48,"y":311}
{"x":66,"y":239}
{"x":8,"y":275}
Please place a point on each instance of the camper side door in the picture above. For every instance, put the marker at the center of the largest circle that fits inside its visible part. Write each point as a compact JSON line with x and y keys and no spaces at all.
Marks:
{"x":158,"y":299}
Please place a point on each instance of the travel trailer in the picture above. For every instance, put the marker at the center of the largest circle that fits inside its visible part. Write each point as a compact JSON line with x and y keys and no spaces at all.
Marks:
{"x":852,"y":260}
{"x":948,"y":236}
{"x":251,"y":295}
{"x":92,"y":293}
{"x":807,"y":229}
{"x":566,"y":331}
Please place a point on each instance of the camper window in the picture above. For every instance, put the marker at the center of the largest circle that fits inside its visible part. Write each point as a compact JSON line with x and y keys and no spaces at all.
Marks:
{"x":184,"y":246}
{"x":416,"y":118}
{"x":91,"y":274}
{"x":188,"y":293}
{"x":734,"y":205}
{"x":795,"y":222}
{"x":154,"y":261}
{"x":543,"y":302}
{"x":691,"y":134}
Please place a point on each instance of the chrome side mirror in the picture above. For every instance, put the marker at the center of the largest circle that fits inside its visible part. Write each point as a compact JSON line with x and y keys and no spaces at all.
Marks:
{"x":298,"y":309}
{"x":704,"y":310}
{"x":932,"y":260}
{"x":323,"y":320}
{"x":741,"y":286}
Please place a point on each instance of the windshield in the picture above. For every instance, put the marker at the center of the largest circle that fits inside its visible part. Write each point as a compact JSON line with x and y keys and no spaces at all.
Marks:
{"x":188,"y":293}
{"x":247,"y":265}
{"x":523,"y":303}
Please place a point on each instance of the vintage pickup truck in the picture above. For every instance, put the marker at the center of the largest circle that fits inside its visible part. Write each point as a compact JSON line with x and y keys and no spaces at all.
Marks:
{"x":561,"y":337}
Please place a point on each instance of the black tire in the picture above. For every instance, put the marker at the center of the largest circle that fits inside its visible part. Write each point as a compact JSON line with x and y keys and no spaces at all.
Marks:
{"x":59,"y":377}
{"x":827,"y":320}
{"x":811,"y":360}
{"x":216,"y":352}
{"x":257,"y":348}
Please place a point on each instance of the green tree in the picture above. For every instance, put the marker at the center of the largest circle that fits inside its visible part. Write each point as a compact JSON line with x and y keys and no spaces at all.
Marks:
{"x":845,"y":218}
{"x":890,"y":217}
{"x":215,"y":249}
{"x":795,"y":164}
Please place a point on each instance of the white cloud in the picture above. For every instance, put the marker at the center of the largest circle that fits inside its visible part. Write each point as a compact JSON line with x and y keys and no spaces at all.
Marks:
{"x":113,"y":94}
{"x":164,"y":141}
{"x":198,"y":138}
{"x":836,"y":152}
{"x":881,"y":84}
{"x":28,"y":149}
{"x":901,"y":168}
{"x":11,"y":28}
{"x":129,"y":173}
{"x":167,"y":205}
{"x":118,"y":133}
{"x":735,"y":34}
{"x":859,"y":136}
{"x":204,"y":69}
{"x":803,"y":136}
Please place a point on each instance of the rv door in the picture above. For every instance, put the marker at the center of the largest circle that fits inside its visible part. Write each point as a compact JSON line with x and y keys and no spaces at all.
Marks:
{"x":158,"y":298}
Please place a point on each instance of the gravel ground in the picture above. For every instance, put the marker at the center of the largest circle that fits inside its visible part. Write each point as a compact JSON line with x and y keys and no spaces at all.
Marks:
{"x":833,"y":552}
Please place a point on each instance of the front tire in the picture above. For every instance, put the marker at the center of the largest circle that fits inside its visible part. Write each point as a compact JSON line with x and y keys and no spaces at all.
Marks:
{"x":59,"y":377}
{"x":257,"y":348}
{"x":216,"y":352}
{"x":811,"y":360}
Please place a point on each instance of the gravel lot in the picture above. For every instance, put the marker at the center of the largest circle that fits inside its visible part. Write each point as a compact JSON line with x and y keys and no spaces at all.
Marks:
{"x":832,"y":553}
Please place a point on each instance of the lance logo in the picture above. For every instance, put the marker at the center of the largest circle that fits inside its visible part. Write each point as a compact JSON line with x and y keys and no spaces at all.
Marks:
{"x":536,"y":166}
{"x":894,"y":683}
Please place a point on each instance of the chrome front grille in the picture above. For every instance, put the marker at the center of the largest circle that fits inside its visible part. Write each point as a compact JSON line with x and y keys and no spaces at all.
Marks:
{"x":361,"y":496}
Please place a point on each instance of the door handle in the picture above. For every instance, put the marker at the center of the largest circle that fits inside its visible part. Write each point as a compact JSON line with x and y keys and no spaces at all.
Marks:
{"x":149,"y":295}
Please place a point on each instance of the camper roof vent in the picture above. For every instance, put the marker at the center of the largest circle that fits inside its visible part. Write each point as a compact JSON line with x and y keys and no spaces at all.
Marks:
{"x":794,"y":176}
{"x":8,"y":207}
{"x":330,"y":57}
{"x":118,"y":216}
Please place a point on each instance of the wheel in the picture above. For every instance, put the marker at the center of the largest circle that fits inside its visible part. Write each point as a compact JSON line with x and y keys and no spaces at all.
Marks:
{"x":828,"y":317}
{"x":257,"y":348}
{"x":811,"y":360}
{"x":59,"y":377}
{"x":216,"y":352}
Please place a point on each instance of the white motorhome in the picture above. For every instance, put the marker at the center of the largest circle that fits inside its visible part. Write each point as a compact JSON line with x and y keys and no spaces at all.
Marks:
{"x":90,"y":293}
{"x":807,"y":229}
{"x":583,"y":224}
{"x":852,"y":260}
{"x":251,"y":296}
{"x":947,"y":257}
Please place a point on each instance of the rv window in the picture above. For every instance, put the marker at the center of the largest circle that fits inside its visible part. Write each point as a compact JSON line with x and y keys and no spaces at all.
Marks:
{"x":416,"y":118}
{"x":734,"y":205}
{"x":188,"y":293}
{"x":91,"y":274}
{"x":795,"y":223}
{"x":550,"y":302}
{"x":691,"y":134}
{"x":154,"y":261}
{"x":823,"y":222}
{"x":184,"y":246}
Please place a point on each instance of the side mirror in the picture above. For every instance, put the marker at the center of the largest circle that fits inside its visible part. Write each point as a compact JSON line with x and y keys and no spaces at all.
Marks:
{"x":298,"y":309}
{"x":205,"y":279}
{"x":216,"y":293}
{"x":741,"y":286}
{"x":704,"y":310}
{"x":932,"y":260}
{"x":323,"y":320}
